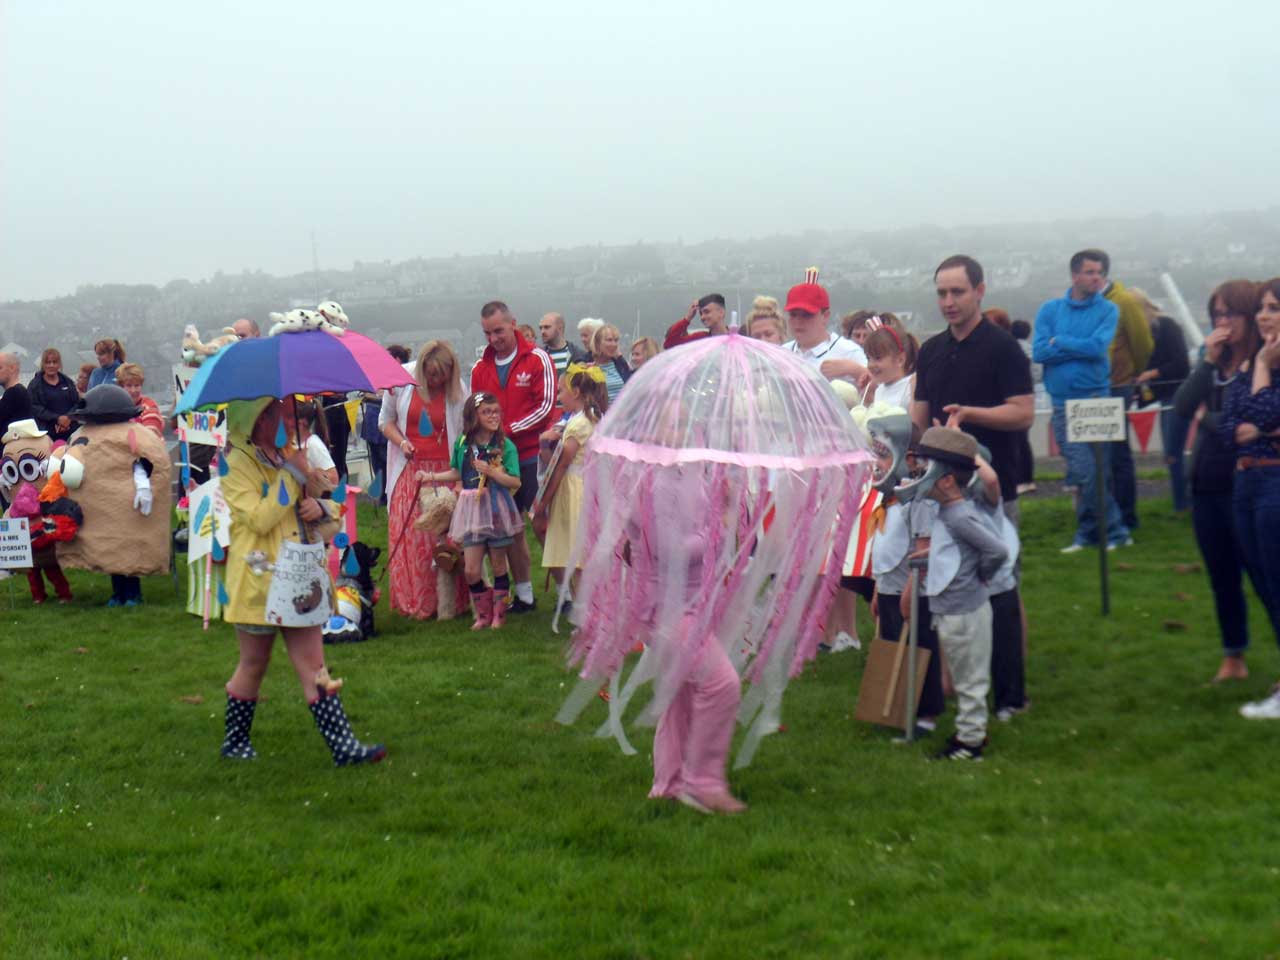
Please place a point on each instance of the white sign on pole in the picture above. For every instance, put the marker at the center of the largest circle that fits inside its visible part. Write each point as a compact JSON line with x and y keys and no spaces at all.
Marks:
{"x":209,"y":507}
{"x":199,"y":426}
{"x":15,"y":544}
{"x":1096,"y":420}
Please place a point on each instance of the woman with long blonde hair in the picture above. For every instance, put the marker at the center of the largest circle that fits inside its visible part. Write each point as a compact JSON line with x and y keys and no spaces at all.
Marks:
{"x":421,"y":421}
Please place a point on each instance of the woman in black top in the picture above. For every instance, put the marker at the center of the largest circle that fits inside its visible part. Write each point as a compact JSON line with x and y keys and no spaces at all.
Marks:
{"x":1233,"y":341}
{"x":53,"y":395}
{"x":1166,"y":370}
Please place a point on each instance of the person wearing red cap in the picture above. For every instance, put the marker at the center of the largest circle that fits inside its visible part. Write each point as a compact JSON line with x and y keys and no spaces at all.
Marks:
{"x":711,"y":309}
{"x":808,"y":314}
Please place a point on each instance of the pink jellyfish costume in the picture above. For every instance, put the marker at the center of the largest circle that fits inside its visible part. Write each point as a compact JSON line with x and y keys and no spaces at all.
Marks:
{"x":720,"y":491}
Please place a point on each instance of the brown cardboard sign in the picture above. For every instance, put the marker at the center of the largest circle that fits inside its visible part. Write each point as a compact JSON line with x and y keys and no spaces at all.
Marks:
{"x":884,"y":680}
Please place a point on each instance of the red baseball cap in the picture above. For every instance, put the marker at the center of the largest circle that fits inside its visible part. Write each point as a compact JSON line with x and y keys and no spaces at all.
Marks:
{"x":809,"y":297}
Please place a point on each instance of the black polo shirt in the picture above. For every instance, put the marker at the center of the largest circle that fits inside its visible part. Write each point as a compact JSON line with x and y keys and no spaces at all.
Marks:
{"x":984,"y":369}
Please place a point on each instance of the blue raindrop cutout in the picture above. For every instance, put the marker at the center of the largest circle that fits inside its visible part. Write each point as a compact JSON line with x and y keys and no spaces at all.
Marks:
{"x":342,"y":541}
{"x":219,"y":555}
{"x":283,"y":495}
{"x":185,"y":457}
{"x":282,"y":438}
{"x":350,"y":565}
{"x":424,"y":425}
{"x":375,"y":488}
{"x":222,"y":594}
{"x":340,"y":492}
{"x":223,"y":467}
{"x":266,"y":489}
{"x":202,"y":511}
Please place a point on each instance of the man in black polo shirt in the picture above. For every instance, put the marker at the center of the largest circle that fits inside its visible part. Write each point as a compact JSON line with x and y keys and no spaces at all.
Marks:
{"x":974,"y":376}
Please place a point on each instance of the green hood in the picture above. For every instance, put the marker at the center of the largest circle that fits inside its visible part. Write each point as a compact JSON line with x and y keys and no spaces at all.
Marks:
{"x":241,"y":416}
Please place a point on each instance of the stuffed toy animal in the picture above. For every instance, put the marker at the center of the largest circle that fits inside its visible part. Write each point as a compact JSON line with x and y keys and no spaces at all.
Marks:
{"x":326,"y":685}
{"x":300,"y":321}
{"x":119,"y":473}
{"x":194,"y":352}
{"x":334,"y":313}
{"x":258,"y":562}
{"x":435,"y":509}
{"x":445,"y":558}
{"x":356,"y":596}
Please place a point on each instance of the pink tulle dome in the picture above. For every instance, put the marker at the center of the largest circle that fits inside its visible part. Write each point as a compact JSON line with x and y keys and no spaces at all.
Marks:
{"x":719,"y":495}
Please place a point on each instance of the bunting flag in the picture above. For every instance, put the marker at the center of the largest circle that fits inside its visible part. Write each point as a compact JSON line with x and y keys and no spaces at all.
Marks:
{"x":1144,"y":422}
{"x":353,"y":411}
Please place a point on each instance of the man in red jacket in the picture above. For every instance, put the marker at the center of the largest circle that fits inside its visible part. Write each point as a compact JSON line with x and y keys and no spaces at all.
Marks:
{"x":523,"y":378}
{"x":711,"y":309}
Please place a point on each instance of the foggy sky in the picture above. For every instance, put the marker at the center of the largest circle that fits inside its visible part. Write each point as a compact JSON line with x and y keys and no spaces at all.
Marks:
{"x":144,"y":141}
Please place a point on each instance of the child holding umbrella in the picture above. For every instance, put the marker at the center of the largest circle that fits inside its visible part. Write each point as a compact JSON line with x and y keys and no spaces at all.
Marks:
{"x":264,"y":484}
{"x":263,"y":519}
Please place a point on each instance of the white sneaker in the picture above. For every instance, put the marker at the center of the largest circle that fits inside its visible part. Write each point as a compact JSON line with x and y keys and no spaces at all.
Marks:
{"x":1268,"y":709}
{"x":845,"y":642}
{"x":1072,"y":548}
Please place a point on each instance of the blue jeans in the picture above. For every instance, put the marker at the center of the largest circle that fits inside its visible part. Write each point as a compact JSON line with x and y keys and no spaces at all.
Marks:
{"x":1173,"y":437}
{"x":1256,"y":501}
{"x":1124,"y":479}
{"x":1082,"y":472}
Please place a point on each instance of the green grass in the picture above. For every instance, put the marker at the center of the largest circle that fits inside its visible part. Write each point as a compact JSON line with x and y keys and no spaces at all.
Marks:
{"x":1129,"y":814}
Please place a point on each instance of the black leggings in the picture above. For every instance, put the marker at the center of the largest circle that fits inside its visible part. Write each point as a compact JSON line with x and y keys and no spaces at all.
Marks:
{"x":932,"y":703}
{"x":1008,"y":671}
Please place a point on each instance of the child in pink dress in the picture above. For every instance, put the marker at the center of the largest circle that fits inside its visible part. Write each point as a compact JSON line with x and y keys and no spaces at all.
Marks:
{"x":486,"y":518}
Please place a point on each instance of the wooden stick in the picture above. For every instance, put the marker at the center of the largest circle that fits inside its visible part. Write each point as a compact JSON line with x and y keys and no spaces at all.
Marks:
{"x":897,"y":669}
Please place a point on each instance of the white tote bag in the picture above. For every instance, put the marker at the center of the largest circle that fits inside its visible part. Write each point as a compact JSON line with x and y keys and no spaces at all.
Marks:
{"x":301,"y":591}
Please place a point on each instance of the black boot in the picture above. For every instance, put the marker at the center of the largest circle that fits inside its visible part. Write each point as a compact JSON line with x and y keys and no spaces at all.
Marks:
{"x":236,"y":745}
{"x":337,"y":733}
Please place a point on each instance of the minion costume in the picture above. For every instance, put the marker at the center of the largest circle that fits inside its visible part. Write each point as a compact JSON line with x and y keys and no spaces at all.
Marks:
{"x":52,"y":516}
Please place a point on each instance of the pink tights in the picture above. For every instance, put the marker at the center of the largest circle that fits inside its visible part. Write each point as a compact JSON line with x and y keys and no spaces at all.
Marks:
{"x":691,"y":744}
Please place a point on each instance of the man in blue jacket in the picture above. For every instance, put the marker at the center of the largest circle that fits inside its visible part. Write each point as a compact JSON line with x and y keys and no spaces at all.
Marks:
{"x":1072,"y":338}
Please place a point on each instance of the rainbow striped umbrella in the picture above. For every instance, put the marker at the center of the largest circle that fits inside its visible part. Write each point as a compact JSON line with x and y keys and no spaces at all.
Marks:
{"x":293,"y":363}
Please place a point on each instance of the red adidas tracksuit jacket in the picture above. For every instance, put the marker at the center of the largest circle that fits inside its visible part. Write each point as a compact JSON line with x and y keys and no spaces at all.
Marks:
{"x":529,"y":398}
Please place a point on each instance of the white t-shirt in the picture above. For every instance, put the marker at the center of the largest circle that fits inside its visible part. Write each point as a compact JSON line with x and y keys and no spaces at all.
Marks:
{"x":835,"y":347}
{"x":318,"y":456}
{"x":897,"y":394}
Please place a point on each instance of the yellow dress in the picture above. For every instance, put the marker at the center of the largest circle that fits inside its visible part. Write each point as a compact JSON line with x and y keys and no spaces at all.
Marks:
{"x":562,"y":522}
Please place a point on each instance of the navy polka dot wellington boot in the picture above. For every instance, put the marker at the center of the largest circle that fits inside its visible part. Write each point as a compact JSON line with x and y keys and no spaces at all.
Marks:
{"x":337,"y":733}
{"x":236,"y":745}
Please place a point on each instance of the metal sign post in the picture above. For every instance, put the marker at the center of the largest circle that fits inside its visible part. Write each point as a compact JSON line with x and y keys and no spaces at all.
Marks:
{"x":1097,"y":421}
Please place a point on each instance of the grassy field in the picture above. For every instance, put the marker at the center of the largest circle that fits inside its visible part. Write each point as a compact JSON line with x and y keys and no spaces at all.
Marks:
{"x":1129,"y":814}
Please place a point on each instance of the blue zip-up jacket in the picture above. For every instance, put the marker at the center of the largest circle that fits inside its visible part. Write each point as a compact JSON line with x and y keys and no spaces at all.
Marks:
{"x":1075,"y":363}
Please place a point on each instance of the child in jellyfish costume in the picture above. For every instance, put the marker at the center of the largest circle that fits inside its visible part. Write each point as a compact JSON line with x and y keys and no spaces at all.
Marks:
{"x":678,"y":479}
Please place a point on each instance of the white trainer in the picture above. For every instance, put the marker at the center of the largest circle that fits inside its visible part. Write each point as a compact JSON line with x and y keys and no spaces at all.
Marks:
{"x":1268,"y":709}
{"x":844,"y":641}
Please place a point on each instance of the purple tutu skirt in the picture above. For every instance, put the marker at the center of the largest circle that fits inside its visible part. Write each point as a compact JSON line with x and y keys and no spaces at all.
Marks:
{"x":488,"y":514}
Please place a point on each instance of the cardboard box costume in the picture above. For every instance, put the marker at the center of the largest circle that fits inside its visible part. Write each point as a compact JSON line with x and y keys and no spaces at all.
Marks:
{"x":98,"y":468}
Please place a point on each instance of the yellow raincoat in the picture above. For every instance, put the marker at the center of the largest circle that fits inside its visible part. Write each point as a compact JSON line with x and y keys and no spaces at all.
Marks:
{"x":258,"y":520}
